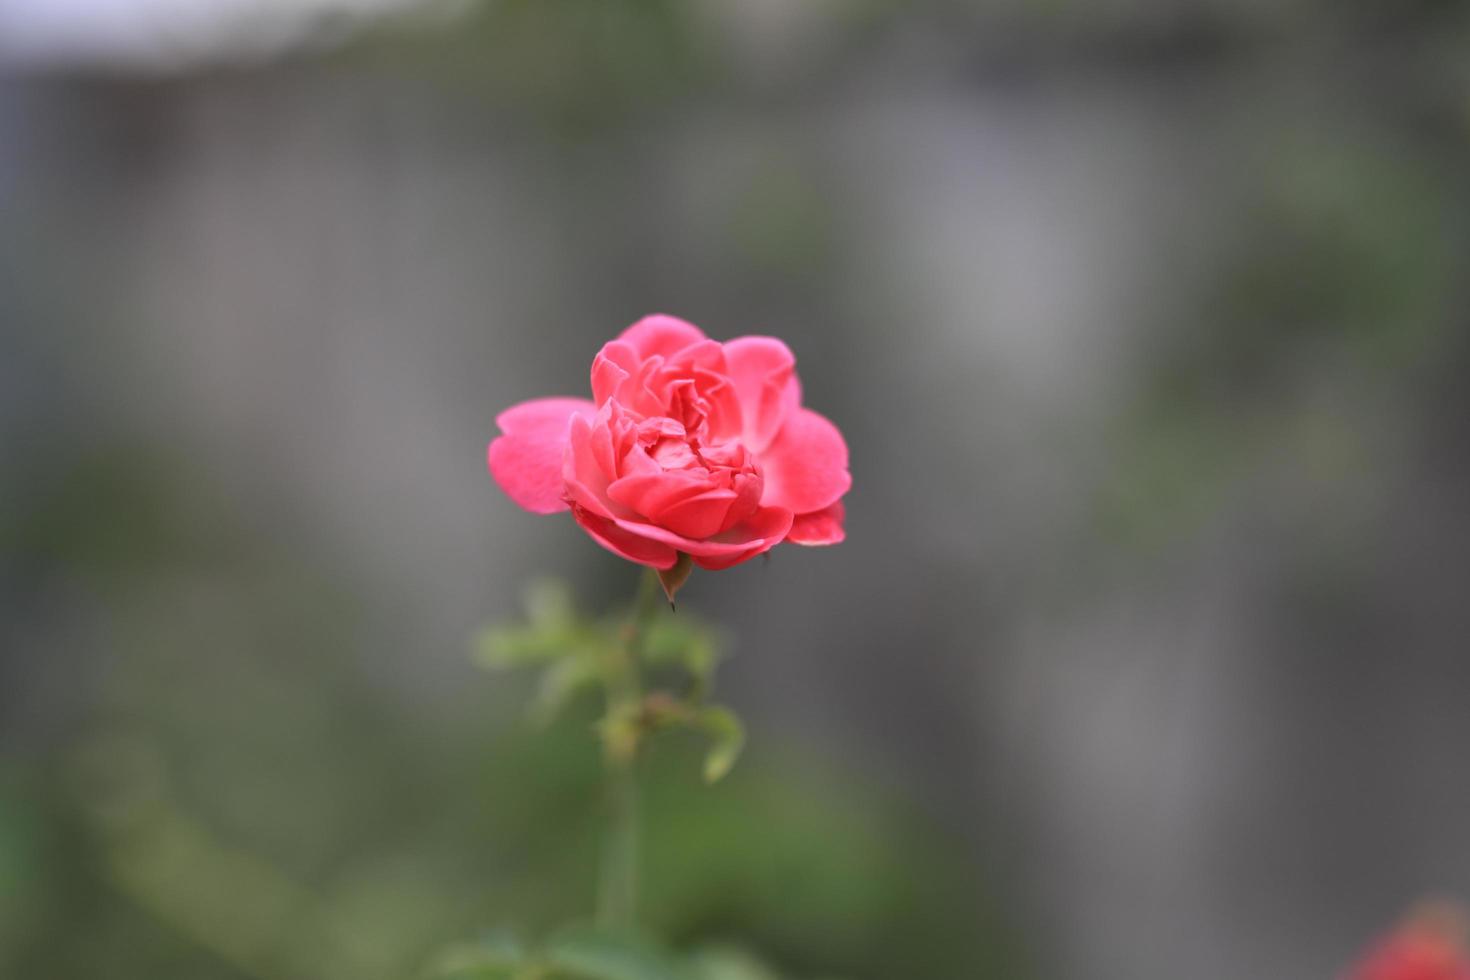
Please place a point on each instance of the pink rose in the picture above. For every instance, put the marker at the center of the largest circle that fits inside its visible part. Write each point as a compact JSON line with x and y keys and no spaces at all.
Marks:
{"x":687,"y":446}
{"x":1428,"y":945}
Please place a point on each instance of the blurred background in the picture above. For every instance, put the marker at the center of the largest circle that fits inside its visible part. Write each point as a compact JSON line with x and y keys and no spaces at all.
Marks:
{"x":1146,"y":323}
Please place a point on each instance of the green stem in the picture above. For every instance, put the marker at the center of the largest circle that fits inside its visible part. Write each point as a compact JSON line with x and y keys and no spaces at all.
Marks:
{"x":617,"y":892}
{"x":617,"y":899}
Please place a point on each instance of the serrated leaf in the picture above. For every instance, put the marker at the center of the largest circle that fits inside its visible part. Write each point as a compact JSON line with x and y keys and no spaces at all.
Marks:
{"x":591,"y":954}
{"x":727,"y":739}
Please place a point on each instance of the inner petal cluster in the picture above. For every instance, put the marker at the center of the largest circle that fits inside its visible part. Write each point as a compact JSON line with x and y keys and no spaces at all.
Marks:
{"x":663,"y":470}
{"x":691,"y":387}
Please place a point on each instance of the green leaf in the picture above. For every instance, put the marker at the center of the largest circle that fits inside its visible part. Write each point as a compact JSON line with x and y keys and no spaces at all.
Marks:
{"x":495,"y":956}
{"x":552,"y":631}
{"x":549,"y":604}
{"x":686,"y":642}
{"x":591,"y":954}
{"x":726,"y":963}
{"x":560,"y":682}
{"x":727,"y":739}
{"x":501,"y":647}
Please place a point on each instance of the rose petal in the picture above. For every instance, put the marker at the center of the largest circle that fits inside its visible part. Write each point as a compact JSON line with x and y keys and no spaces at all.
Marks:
{"x":662,"y":335}
{"x":806,"y":466}
{"x":587,"y":466}
{"x":703,"y":354}
{"x":762,"y":530}
{"x":699,"y":516}
{"x":726,"y":418}
{"x":772,"y":523}
{"x":650,"y":494}
{"x":819,"y":527}
{"x":721,"y":562}
{"x":611,"y":369}
{"x":633,"y":547}
{"x":527,"y":460}
{"x":621,"y":374}
{"x":763,"y":370}
{"x":747,"y":488}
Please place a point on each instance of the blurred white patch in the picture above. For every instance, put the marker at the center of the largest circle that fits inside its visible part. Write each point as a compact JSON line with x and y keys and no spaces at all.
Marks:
{"x":163,"y":35}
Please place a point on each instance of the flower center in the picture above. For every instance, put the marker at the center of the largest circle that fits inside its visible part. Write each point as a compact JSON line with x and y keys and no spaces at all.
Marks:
{"x":689,"y":408}
{"x":674,"y":454}
{"x":671,"y":445}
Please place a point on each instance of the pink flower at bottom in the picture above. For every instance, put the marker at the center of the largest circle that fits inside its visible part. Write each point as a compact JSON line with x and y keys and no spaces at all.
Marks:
{"x":1428,"y":945}
{"x":688,"y":446}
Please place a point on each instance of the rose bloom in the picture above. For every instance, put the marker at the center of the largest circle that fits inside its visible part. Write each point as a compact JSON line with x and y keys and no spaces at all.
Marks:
{"x":689,"y":446}
{"x":1428,"y":945}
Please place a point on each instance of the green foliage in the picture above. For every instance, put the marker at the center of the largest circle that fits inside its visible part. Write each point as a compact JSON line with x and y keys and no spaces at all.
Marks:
{"x":179,"y":826}
{"x":727,"y":963}
{"x":552,"y":631}
{"x":727,"y":736}
{"x":586,"y":953}
{"x":495,"y":956}
{"x":576,"y":654}
{"x":687,"y":643}
{"x":244,"y":801}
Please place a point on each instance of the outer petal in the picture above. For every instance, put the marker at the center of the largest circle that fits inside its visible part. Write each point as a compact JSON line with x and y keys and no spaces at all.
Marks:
{"x":819,"y":527}
{"x":650,"y":494}
{"x":587,"y":463}
{"x":763,"y":370}
{"x":527,"y":460}
{"x":760,"y":531}
{"x":806,"y":466}
{"x":662,"y":335}
{"x":611,"y":369}
{"x":700,"y":516}
{"x":654,"y":554}
{"x":774,"y":525}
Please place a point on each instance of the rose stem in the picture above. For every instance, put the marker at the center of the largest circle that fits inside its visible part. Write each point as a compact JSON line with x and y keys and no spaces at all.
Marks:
{"x":617,"y":893}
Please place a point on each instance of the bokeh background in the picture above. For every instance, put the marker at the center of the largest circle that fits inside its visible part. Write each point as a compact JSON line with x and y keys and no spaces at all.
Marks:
{"x":1146,"y":322}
